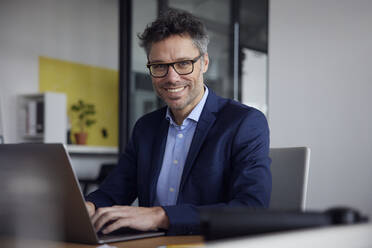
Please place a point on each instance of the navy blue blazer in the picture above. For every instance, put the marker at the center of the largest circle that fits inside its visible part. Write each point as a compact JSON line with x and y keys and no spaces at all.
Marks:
{"x":228,"y":164}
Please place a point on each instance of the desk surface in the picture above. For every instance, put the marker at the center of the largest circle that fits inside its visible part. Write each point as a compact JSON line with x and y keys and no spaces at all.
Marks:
{"x":358,"y":236}
{"x":139,"y":243}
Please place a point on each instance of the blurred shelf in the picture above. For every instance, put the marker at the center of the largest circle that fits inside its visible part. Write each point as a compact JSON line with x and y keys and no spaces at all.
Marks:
{"x":33,"y":136}
{"x":83,"y":149}
{"x":42,"y":117}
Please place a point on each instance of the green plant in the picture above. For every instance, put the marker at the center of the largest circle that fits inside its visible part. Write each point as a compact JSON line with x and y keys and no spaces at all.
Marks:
{"x":84,"y":112}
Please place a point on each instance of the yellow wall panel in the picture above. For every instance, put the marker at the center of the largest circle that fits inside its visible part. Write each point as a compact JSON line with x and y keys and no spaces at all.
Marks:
{"x":91,"y":84}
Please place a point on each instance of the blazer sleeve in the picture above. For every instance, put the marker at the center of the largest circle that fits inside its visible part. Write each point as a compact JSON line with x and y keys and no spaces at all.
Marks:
{"x":120,"y":186}
{"x":250,"y":181}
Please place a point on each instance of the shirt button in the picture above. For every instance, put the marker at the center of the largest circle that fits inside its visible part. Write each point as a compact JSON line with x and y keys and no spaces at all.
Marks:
{"x":180,"y":135}
{"x":171,"y":189}
{"x":175,"y":161}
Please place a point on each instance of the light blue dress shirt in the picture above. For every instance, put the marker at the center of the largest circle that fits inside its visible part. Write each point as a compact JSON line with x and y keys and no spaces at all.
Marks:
{"x":176,"y":150}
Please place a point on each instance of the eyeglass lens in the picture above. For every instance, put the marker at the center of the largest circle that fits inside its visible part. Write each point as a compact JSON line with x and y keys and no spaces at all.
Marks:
{"x":182,"y":68}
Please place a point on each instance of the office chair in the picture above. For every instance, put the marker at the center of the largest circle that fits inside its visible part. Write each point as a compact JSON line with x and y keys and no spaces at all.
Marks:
{"x":290,"y":169}
{"x":103,"y":172}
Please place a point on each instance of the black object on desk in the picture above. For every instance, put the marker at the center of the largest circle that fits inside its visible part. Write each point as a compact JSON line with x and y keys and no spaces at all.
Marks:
{"x":220,"y":223}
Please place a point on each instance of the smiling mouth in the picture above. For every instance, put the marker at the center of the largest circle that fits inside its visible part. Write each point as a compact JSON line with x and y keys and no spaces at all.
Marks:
{"x":174,"y":90}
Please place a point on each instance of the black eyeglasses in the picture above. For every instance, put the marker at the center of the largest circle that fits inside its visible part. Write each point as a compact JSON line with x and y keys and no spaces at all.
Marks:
{"x":184,"y":67}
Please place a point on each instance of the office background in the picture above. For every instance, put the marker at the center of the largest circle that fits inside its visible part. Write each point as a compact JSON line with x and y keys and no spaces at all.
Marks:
{"x":320,"y":82}
{"x":319,"y":77}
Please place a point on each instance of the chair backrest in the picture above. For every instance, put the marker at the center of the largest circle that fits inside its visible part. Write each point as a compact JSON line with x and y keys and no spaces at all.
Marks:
{"x":290,"y":169}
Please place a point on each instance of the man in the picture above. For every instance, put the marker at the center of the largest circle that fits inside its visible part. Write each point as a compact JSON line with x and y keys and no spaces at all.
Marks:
{"x":200,"y":151}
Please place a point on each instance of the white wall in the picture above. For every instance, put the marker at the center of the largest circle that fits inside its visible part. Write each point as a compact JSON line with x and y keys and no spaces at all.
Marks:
{"x":320,"y":75}
{"x":83,"y":31}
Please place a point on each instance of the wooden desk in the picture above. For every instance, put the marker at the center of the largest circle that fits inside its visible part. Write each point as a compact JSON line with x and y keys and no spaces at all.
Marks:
{"x":139,"y":243}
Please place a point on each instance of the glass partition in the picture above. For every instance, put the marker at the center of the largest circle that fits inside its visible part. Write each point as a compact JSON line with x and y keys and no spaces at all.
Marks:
{"x":216,"y":16}
{"x":142,"y":97}
{"x":253,"y":19}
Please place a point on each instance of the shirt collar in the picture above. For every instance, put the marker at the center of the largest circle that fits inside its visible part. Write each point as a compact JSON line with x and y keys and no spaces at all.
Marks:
{"x":195,"y":113}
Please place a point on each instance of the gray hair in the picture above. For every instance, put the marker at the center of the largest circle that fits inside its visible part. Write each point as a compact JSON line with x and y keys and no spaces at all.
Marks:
{"x":175,"y":22}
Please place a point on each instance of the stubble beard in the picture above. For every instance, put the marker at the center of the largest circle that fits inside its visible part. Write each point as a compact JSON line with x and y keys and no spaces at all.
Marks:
{"x":190,"y":98}
{"x":176,"y":105}
{"x":193,"y":93}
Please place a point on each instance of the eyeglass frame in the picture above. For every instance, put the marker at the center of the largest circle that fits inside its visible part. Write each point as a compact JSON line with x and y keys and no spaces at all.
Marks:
{"x":193,"y":61}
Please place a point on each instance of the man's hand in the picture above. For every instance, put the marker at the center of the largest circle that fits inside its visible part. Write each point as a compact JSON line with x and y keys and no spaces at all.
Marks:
{"x":139,"y":218}
{"x":91,"y":208}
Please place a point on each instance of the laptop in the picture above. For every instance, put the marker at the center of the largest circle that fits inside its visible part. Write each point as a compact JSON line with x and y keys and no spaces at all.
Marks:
{"x":41,"y":197}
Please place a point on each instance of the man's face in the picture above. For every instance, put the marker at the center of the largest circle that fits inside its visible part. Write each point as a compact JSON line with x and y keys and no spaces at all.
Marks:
{"x":180,"y":92}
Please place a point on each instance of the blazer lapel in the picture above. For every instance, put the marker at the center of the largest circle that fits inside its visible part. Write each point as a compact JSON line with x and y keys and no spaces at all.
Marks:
{"x":205,"y":122}
{"x":158,"y":150}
